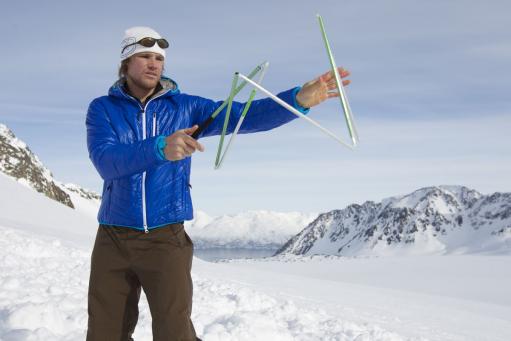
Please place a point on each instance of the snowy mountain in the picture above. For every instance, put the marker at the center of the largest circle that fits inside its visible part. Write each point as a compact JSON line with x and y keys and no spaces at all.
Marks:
{"x":250,"y":230}
{"x":432,"y":220}
{"x":19,"y":162}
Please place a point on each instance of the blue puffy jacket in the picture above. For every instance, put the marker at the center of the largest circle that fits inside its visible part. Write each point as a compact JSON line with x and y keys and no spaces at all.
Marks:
{"x":142,"y":190}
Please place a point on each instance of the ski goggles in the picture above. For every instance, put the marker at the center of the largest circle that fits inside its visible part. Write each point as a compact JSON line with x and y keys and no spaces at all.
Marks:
{"x":149,"y":42}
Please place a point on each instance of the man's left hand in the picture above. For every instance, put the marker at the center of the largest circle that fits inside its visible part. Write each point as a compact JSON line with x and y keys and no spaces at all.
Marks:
{"x":320,"y":89}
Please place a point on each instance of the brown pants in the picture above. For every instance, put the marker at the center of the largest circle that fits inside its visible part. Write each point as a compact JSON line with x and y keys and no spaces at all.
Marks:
{"x":124,"y":261}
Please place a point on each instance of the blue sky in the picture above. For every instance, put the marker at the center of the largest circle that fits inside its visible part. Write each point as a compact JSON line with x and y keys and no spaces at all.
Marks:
{"x":430,"y":92}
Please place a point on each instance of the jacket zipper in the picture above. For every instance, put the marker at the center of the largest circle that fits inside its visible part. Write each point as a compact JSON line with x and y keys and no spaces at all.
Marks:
{"x":144,"y":210}
{"x":154,"y":124}
{"x":144,"y":136}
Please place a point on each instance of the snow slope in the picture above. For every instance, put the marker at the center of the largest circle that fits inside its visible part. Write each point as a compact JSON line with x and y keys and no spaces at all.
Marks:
{"x":437,"y":297}
{"x":23,"y":208}
{"x":44,"y":293}
{"x":44,"y":285}
{"x":44,"y":268}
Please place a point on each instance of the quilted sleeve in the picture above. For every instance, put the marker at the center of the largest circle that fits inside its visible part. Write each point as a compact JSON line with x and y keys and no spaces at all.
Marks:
{"x":264,"y":114}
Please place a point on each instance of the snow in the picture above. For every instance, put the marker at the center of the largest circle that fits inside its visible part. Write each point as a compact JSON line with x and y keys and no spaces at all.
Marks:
{"x":44,"y":267}
{"x":25,"y":209}
{"x":88,"y":207}
{"x":12,"y":140}
{"x":43,"y":288}
{"x":45,"y":292}
{"x":436,"y":297}
{"x":416,"y":200}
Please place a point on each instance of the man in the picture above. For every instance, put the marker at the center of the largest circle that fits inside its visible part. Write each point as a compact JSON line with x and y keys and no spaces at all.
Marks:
{"x":139,"y":140}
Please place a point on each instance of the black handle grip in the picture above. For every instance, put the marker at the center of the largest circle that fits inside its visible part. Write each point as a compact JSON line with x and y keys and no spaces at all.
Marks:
{"x":203,"y":126}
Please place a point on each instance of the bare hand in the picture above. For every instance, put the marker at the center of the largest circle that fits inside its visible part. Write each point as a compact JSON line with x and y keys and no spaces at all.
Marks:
{"x":320,"y":89}
{"x":181,"y":144}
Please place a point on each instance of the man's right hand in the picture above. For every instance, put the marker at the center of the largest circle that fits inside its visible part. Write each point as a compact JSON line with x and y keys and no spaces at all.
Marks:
{"x":181,"y":144}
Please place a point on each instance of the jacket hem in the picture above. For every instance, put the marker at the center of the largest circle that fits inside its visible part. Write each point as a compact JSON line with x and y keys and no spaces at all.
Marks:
{"x":141,"y":228}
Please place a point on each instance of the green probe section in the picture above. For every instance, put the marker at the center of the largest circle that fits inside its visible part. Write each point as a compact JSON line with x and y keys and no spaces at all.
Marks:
{"x":227,"y":114}
{"x":249,"y":102}
{"x":338,"y":81}
{"x":234,"y":91}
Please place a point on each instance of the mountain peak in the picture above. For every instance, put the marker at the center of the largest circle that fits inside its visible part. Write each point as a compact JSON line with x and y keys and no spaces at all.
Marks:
{"x":437,"y":219}
{"x":20,"y":163}
{"x":445,"y":199}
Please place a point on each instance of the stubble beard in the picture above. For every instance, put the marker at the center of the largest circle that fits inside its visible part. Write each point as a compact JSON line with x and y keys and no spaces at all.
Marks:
{"x":145,"y":84}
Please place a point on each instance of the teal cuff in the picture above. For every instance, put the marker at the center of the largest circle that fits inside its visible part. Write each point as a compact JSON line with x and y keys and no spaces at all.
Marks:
{"x":161,"y":143}
{"x":301,"y":109}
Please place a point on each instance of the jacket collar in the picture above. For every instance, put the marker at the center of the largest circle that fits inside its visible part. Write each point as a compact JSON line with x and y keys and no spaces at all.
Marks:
{"x":168,"y":87}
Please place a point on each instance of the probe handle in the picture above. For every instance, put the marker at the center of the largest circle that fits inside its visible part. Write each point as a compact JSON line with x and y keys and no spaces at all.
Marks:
{"x":202,"y":127}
